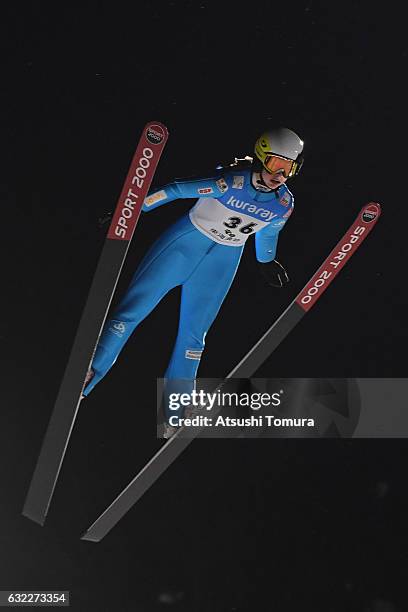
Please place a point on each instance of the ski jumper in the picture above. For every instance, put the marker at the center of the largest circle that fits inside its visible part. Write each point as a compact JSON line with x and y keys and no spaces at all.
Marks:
{"x":200,"y":252}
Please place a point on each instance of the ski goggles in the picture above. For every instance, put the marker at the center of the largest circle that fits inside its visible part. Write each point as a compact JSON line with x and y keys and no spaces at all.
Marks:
{"x":289,"y":167}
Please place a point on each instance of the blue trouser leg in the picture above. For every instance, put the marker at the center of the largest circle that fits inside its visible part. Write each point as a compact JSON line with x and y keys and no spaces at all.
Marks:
{"x":181,"y":256}
{"x":166,"y":265}
{"x":201,"y":298}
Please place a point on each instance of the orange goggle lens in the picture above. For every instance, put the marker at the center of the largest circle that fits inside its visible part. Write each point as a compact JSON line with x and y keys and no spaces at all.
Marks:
{"x":274,"y":163}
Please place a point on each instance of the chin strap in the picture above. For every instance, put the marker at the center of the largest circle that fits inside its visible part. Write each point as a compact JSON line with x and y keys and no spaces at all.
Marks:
{"x":259,"y":183}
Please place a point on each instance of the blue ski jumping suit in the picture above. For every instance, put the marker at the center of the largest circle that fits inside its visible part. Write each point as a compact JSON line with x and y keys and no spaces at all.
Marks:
{"x":200,"y":252}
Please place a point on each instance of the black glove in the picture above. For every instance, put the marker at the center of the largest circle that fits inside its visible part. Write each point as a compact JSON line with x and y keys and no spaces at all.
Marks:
{"x":274,"y":274}
{"x":106,"y":218}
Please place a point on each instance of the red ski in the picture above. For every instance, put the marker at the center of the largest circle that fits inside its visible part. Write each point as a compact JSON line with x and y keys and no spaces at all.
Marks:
{"x":353,"y":238}
{"x":122,"y":227}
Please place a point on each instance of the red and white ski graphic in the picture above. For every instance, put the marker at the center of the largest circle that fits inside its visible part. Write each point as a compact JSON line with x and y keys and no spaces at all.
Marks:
{"x":122,"y":227}
{"x":305,"y":300}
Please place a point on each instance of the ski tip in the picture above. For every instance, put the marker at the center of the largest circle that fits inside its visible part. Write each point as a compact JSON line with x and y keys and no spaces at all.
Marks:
{"x":157,"y":131}
{"x":374,"y":204}
{"x":370,"y":212}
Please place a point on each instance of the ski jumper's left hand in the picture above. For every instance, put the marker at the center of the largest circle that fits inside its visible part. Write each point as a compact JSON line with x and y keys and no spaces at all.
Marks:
{"x":274,"y":273}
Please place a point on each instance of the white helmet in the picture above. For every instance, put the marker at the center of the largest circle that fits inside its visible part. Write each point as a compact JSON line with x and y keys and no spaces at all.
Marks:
{"x":280,"y":149}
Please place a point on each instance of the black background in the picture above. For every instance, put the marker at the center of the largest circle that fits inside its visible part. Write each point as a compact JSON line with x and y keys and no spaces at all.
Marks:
{"x":232,"y":525}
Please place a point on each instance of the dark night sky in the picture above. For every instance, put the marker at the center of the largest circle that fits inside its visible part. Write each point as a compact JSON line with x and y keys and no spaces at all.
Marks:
{"x":287,"y":525}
